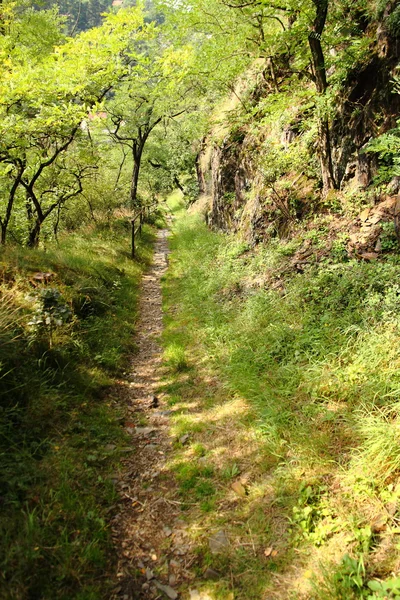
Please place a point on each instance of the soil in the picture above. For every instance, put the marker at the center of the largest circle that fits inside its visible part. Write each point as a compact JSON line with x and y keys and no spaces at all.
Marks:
{"x":154,"y":555}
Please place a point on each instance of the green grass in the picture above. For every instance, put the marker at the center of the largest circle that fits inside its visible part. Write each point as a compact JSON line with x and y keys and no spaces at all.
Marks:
{"x":306,"y":375}
{"x":60,"y":432}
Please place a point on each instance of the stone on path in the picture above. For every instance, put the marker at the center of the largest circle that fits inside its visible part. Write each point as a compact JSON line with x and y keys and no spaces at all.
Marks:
{"x":218,"y":542}
{"x":211,"y":574}
{"x":167,"y":589}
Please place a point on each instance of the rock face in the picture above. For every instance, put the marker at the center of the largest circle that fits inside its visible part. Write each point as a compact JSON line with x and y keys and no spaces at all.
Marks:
{"x":229,"y":172}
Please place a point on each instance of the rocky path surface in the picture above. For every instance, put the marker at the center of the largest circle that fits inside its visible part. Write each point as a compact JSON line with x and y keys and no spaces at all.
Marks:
{"x":150,"y":539}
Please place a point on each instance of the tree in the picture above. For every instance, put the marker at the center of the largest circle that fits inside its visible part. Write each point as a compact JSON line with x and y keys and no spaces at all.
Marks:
{"x":43,"y":102}
{"x":157,"y":91}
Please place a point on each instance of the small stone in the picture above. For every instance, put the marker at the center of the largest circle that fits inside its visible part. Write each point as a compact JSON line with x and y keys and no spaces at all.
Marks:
{"x":149,"y":574}
{"x":184,"y":439}
{"x":110,"y":447}
{"x":196,"y":595}
{"x":175,"y":564}
{"x":181,"y":524}
{"x":365,"y":214}
{"x":379,"y":523}
{"x":144,"y":430}
{"x":218,"y":542}
{"x":391,"y":508}
{"x":211,"y":574}
{"x":239,"y":489}
{"x":167,"y":531}
{"x":145,"y":586}
{"x":369,"y":255}
{"x":167,"y":589}
{"x":172,"y":579}
{"x":181,"y":550}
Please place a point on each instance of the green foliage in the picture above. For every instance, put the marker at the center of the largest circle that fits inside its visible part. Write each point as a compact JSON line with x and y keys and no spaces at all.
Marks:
{"x":176,"y":358}
{"x":52,"y":312}
{"x":384,"y":589}
{"x":388,"y":237}
{"x":346,"y":581}
{"x":387,"y":146}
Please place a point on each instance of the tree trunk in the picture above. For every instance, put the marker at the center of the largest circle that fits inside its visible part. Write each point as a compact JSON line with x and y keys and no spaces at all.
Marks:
{"x":178,"y":184}
{"x":321,"y":83}
{"x":325,"y":152}
{"x":137,"y":161}
{"x":11,"y":198}
{"x":3,"y":232}
{"x":34,"y":234}
{"x":200,"y":176}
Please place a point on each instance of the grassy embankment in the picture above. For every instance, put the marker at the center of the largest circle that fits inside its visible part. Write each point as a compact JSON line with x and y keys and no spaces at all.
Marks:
{"x":290,"y":396}
{"x":61,"y":347}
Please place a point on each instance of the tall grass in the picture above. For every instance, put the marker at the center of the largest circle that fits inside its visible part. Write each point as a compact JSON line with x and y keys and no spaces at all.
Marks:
{"x":318,"y":359}
{"x":60,"y":436}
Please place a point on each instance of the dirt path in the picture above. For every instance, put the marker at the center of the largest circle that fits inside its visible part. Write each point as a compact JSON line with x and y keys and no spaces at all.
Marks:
{"x":149,"y":536}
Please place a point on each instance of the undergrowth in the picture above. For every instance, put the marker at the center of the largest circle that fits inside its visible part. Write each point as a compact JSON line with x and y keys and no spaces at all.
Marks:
{"x":66,"y":322}
{"x":296,"y":393}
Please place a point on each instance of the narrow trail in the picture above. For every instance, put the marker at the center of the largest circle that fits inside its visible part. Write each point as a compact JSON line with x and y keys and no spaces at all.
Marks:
{"x":148,"y":535}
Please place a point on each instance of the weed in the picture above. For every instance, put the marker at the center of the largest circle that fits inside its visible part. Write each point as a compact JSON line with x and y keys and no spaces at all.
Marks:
{"x":176,"y":358}
{"x":231,"y":472}
{"x":388,"y":237}
{"x":345,"y":582}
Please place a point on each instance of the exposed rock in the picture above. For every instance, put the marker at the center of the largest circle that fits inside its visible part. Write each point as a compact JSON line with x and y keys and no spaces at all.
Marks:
{"x":184,"y":439}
